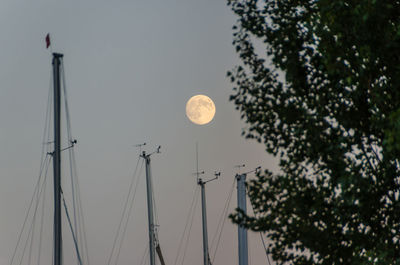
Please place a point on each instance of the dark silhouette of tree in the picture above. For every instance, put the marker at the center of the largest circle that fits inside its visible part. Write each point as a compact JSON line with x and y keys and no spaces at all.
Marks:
{"x":319,"y":85}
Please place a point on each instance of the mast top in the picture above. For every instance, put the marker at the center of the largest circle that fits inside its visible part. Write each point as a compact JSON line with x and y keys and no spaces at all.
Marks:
{"x":144,"y":155}
{"x":256,"y":170}
{"x":58,"y":55}
{"x":201,"y":182}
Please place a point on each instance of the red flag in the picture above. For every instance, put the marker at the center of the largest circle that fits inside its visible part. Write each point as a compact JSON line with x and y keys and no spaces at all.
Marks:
{"x":47,"y":40}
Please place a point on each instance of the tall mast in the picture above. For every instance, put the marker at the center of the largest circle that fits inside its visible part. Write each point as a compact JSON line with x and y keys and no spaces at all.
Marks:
{"x":57,"y":160}
{"x":150,"y":209}
{"x":242,"y":231}
{"x":203,"y":208}
{"x":204,"y":221}
{"x":206,"y":256}
{"x":204,"y":214}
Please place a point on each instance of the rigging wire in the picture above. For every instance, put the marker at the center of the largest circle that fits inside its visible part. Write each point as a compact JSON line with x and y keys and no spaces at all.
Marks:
{"x":69,"y":134}
{"x":36,"y":190}
{"x":191,"y":223}
{"x":72,"y":229}
{"x":195,"y":192}
{"x":44,"y":155}
{"x":70,"y":141}
{"x":145,"y":253}
{"x":223,"y":218}
{"x":249,"y":249}
{"x":82,"y":221}
{"x":30,"y":231}
{"x":41,"y":224}
{"x":134,"y":179}
{"x":129,"y":212}
{"x":47,"y":146}
{"x":33,"y":228}
{"x":43,"y":163}
{"x":154,"y":209}
{"x":261,"y":234}
{"x":79,"y":224}
{"x":72,"y":164}
{"x":25,"y":245}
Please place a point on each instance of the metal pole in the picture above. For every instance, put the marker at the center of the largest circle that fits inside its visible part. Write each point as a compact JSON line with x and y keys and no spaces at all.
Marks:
{"x":242,"y":232}
{"x":204,"y":218}
{"x":150,"y":209}
{"x":57,"y":160}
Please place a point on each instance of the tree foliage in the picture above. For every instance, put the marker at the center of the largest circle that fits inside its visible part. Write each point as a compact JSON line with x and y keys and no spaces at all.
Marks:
{"x":319,"y":85}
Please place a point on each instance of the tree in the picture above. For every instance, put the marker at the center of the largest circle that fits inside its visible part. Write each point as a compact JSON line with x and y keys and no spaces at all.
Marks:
{"x":319,"y":85}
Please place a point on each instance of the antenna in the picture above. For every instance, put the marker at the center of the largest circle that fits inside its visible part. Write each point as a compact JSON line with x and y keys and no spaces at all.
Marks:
{"x":144,"y":155}
{"x":197,"y":174}
{"x":140,"y":146}
{"x":256,"y":170}
{"x":73,"y":143}
{"x":216,"y":174}
{"x":197,"y":160}
{"x":239,"y":166}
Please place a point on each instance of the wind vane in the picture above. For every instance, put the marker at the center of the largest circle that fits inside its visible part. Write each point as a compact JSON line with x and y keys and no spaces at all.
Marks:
{"x":48,"y":44}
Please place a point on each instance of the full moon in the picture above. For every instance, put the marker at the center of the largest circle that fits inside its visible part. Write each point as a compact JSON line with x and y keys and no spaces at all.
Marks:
{"x":200,"y":109}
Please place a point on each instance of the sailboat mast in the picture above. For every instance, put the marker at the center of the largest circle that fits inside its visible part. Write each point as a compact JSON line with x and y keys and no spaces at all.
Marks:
{"x":204,"y":219}
{"x":242,"y":231}
{"x":57,"y":159}
{"x":150,"y":209}
{"x":202,"y":184}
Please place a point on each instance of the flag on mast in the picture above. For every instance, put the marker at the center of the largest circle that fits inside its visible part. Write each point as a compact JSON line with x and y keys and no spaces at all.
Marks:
{"x":47,"y":40}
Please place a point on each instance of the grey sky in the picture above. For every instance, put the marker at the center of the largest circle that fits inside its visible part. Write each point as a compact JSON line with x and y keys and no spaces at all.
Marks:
{"x":130,"y":68}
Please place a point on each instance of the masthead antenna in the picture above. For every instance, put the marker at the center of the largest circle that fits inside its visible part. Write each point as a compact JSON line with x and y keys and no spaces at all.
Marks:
{"x":239,"y":166}
{"x":197,"y":160}
{"x":144,"y":155}
{"x":140,"y":146}
{"x":256,"y":170}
